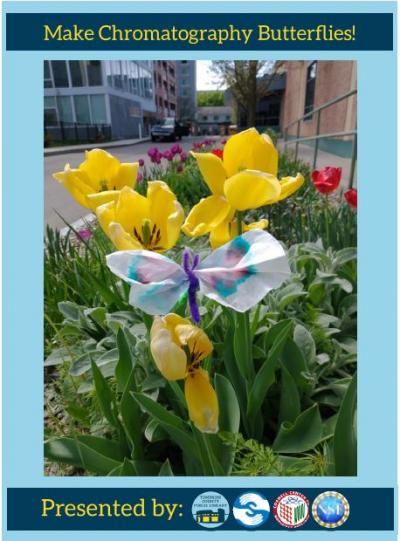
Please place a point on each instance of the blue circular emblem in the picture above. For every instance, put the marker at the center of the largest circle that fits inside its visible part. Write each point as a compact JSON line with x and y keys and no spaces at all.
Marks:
{"x":210,"y":509}
{"x":330,"y":509}
{"x":251,"y":509}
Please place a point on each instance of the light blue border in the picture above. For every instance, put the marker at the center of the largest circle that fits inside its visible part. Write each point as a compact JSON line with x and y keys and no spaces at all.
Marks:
{"x":23,"y":275}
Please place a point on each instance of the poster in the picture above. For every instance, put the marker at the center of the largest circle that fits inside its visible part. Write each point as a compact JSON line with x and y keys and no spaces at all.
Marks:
{"x":199,"y":216}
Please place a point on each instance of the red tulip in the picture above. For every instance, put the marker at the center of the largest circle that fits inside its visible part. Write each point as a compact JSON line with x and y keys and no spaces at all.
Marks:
{"x":218,"y":152}
{"x":327,"y":180}
{"x":351,"y":198}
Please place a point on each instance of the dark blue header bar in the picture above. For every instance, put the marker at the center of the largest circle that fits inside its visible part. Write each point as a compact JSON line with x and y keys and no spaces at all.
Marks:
{"x":175,"y":508}
{"x":199,"y":31}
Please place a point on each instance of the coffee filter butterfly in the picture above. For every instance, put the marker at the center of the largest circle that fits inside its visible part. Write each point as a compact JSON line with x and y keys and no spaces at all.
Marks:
{"x":237,"y":275}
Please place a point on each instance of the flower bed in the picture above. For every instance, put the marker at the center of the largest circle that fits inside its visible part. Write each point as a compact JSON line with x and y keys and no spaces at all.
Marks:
{"x":207,"y":326}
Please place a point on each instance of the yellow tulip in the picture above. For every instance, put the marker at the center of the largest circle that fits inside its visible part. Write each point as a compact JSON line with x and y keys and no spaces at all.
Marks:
{"x":135,"y":222}
{"x":245,"y":178}
{"x":178,"y":347}
{"x":98,"y":179}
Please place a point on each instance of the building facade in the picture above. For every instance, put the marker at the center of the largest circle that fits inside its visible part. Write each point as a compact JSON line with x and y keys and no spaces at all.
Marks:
{"x":165,"y":88}
{"x":186,"y":90}
{"x":310,"y":84}
{"x":95,"y":98}
{"x":214,"y":120}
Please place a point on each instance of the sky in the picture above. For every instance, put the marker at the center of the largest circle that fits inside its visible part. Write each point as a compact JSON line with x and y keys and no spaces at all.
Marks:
{"x":205,"y":79}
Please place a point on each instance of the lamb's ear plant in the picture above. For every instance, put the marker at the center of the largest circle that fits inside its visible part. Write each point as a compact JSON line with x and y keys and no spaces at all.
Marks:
{"x":211,"y":361}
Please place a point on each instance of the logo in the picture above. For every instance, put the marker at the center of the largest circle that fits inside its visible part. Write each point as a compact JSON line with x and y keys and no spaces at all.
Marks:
{"x":210,"y":510}
{"x":251,"y":509}
{"x":330,"y":509}
{"x":291,"y":509}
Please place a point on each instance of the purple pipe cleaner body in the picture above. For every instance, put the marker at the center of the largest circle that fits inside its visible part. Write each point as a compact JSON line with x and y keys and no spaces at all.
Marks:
{"x":189,"y":267}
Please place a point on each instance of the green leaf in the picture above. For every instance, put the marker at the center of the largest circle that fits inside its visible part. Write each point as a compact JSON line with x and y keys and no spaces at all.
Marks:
{"x":172,"y":424}
{"x":166,"y":469}
{"x":232,"y":370}
{"x":302,"y":435}
{"x":289,"y":408}
{"x":265,"y":377}
{"x":104,"y":394}
{"x":229,"y":421}
{"x":293,"y":360}
{"x":82,"y":454}
{"x":154,"y":432}
{"x":131,"y":417}
{"x":306,"y":344}
{"x":344,"y":440}
{"x":124,"y":366}
{"x":70,"y":310}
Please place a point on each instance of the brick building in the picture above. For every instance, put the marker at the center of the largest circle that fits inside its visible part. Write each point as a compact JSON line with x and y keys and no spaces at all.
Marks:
{"x":311,"y":84}
{"x":165,"y":88}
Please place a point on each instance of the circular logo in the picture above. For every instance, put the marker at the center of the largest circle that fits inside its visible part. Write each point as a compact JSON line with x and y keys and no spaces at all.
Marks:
{"x":210,"y":510}
{"x":291,"y":509}
{"x":251,"y":509}
{"x":330,"y":509}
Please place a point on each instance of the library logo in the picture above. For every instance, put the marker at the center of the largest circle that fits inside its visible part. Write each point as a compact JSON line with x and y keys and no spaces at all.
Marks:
{"x":330,"y":509}
{"x":251,"y":509}
{"x":291,"y":509}
{"x":210,"y":510}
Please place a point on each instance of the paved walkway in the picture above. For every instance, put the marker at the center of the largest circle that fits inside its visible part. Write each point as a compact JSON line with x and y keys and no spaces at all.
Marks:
{"x":306,"y":154}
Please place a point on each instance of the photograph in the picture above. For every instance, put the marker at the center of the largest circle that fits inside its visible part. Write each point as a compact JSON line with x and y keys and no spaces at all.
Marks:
{"x":200,"y":267}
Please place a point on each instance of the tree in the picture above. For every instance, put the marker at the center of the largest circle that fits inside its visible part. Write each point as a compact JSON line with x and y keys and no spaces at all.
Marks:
{"x":248,"y":81}
{"x":210,"y":98}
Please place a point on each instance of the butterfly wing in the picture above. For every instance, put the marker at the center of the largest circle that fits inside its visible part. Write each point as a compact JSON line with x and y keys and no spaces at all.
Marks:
{"x":156,"y":282}
{"x":243,"y":271}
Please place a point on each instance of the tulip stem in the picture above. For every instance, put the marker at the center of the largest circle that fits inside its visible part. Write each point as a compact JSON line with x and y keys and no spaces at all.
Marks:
{"x":243,"y":326}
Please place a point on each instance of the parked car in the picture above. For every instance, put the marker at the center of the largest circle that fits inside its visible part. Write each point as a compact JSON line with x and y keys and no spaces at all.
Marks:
{"x":169,"y":128}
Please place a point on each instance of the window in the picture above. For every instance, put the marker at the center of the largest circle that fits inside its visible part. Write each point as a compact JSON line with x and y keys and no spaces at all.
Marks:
{"x":205,"y":118}
{"x":48,"y":81}
{"x":98,"y":106}
{"x":82,"y":111}
{"x":94,"y":72}
{"x":64,"y":106}
{"x":216,"y":118}
{"x":310,"y":88}
{"x":77,"y":72}
{"x":59,"y":68}
{"x":50,"y":111}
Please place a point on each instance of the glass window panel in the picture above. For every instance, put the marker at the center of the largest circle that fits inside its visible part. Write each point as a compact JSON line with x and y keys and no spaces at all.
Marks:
{"x":60,"y":74}
{"x":77,"y":71}
{"x":64,"y":106}
{"x":94,"y":72}
{"x":49,"y":101}
{"x":50,"y":117}
{"x":47,"y":70}
{"x":108,"y":68}
{"x":98,"y":106}
{"x":82,"y":111}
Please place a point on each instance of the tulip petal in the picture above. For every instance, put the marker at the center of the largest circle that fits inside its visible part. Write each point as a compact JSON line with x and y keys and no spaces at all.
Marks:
{"x":196,"y":339}
{"x":105,"y":215}
{"x":212,"y":170}
{"x":166,"y":212}
{"x":202,"y":401}
{"x":100,"y":166}
{"x":96,"y":199}
{"x":250,"y":150}
{"x":206,"y":215}
{"x":251,"y":189}
{"x":289,"y":185}
{"x":169,"y":358}
{"x":121,"y":239}
{"x":171,"y":321}
{"x":126,"y":176}
{"x":228,"y":230}
{"x":131,"y":209}
{"x":76,"y":183}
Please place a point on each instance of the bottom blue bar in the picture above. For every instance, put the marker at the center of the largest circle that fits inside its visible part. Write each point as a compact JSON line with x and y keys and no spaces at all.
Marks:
{"x":176,"y":509}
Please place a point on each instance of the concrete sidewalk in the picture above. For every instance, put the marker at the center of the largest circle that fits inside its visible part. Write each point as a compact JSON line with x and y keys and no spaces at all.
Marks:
{"x":54,"y":151}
